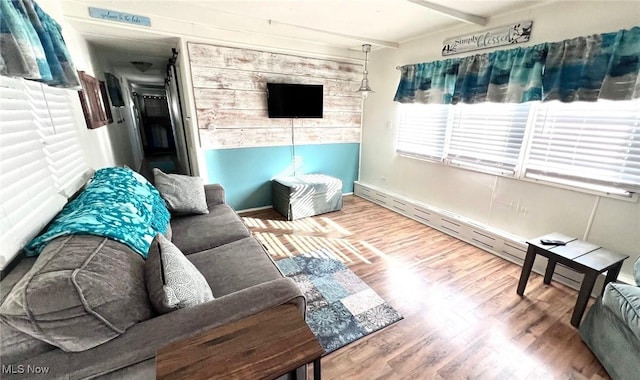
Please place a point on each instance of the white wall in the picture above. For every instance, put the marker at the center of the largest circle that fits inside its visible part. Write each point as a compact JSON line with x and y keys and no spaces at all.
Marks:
{"x":189,"y":25}
{"x":118,"y":134}
{"x":131,"y":124}
{"x":104,"y":146}
{"x":521,"y":208}
{"x":96,"y":142}
{"x":121,"y":135}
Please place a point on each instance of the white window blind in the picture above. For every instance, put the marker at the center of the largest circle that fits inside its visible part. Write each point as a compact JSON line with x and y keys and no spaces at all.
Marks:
{"x":41,"y":160}
{"x":28,"y":196}
{"x":56,"y":123}
{"x":593,"y":145}
{"x":488,"y":136}
{"x":423,"y":130}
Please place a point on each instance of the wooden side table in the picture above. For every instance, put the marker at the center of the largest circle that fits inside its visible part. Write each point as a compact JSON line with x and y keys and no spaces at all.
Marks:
{"x":579,"y":255}
{"x":262,"y":346}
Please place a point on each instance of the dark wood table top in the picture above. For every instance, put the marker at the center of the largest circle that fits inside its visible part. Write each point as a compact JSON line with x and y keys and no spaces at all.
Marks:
{"x":262,"y":346}
{"x":582,"y":252}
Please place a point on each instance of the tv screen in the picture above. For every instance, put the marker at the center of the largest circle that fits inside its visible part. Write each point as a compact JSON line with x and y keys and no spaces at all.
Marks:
{"x":285,"y":100}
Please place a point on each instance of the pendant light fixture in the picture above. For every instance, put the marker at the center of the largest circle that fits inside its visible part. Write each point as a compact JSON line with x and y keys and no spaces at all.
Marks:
{"x":364,"y":85}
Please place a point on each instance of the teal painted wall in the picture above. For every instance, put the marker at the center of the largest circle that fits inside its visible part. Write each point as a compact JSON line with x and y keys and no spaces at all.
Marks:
{"x":246,"y":173}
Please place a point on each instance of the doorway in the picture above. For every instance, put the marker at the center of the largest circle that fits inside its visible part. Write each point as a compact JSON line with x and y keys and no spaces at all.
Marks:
{"x":155,"y":128}
{"x":158,"y":115}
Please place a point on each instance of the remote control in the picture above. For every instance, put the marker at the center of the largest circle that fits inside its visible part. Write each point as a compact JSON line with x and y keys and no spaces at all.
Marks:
{"x":552,"y":242}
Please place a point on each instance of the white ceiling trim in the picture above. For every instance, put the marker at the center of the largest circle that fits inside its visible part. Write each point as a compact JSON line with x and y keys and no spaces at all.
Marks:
{"x":458,"y":15}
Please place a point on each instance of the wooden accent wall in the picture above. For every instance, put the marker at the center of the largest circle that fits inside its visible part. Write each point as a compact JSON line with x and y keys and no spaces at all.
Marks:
{"x":230,"y":93}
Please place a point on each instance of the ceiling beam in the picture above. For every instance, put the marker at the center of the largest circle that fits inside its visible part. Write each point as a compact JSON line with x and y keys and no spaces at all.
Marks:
{"x":461,"y":16}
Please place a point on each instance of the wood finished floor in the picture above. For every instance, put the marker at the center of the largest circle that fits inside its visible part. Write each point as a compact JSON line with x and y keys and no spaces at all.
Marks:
{"x":462,"y":317}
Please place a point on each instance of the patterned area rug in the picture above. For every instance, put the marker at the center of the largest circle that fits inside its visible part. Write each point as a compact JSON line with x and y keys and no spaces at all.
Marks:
{"x":341,"y":308}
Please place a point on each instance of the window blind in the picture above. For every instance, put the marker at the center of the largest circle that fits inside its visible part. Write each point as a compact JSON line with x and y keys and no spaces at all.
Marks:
{"x":28,"y":195}
{"x":593,"y":144}
{"x":488,"y":136}
{"x":61,"y":143}
{"x":422,"y":130}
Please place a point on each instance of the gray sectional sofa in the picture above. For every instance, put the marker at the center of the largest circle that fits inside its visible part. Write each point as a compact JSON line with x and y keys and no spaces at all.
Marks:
{"x":611,"y":329}
{"x":65,"y":281}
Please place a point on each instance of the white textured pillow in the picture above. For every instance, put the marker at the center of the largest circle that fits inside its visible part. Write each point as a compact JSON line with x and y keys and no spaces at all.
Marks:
{"x":183,"y":193}
{"x":173,"y":282}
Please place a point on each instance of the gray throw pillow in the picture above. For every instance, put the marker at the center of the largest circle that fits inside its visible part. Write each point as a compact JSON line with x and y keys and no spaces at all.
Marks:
{"x":82,"y":291}
{"x":183,"y":193}
{"x":173,"y":282}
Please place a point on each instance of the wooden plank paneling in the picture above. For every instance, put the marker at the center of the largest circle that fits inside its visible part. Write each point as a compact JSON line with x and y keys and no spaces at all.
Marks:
{"x":343,"y":103}
{"x":266,"y":62}
{"x":332,"y":120}
{"x":207,"y":98}
{"x":252,"y":137}
{"x":227,"y":99}
{"x":206,"y":77}
{"x":212,"y":118}
{"x":229,"y":118}
{"x":326,"y":136}
{"x":245,"y":137}
{"x":231,"y":101}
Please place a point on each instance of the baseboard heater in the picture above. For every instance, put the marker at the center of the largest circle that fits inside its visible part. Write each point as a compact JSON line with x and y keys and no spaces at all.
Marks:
{"x":500,"y":243}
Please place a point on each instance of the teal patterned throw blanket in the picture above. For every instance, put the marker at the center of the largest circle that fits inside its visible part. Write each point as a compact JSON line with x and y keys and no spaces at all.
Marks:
{"x":118,"y":203}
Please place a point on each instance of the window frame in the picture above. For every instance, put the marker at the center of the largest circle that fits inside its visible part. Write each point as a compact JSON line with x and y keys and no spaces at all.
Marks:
{"x":520,"y":172}
{"x":594,"y":145}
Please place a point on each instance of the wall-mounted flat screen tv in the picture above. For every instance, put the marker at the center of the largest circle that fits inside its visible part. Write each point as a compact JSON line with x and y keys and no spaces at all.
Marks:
{"x":286,"y":100}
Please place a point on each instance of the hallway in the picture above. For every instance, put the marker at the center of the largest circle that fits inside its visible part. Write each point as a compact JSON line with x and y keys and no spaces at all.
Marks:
{"x":166,"y":162}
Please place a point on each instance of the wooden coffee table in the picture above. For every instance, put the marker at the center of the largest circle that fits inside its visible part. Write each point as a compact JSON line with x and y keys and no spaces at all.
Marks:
{"x":262,"y":346}
{"x":579,"y":255}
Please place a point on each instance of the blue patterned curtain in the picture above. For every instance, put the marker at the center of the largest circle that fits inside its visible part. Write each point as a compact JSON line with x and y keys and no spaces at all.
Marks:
{"x":431,"y":82}
{"x":472,"y":82}
{"x":623,"y":79}
{"x":601,"y":66}
{"x":516,"y":75}
{"x":604,"y":66}
{"x":32,"y":45}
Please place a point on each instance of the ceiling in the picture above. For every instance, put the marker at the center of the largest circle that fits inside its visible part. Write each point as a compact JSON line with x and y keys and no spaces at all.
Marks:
{"x":347,"y":23}
{"x":326,"y":24}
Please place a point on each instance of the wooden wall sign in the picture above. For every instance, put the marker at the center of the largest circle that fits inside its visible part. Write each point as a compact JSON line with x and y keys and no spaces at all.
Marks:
{"x":505,"y":35}
{"x":127,"y":18}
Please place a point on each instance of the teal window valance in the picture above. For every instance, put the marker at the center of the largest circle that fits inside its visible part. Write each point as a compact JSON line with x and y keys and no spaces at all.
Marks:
{"x":32,"y":45}
{"x":600,"y":66}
